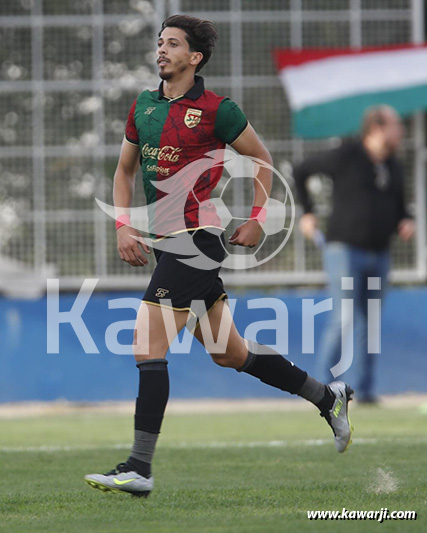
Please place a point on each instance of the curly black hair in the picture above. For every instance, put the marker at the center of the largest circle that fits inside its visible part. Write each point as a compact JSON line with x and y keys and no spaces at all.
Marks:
{"x":201,"y":34}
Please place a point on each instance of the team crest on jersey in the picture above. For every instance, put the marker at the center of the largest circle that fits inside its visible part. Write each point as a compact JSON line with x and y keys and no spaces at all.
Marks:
{"x":192,"y":117}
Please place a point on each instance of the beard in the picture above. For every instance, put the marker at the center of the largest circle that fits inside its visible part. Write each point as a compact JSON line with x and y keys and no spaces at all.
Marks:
{"x":165,"y":76}
{"x":178,"y":69}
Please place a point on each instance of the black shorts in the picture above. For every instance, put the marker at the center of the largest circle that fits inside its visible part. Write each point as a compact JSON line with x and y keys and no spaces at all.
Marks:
{"x":176,"y":284}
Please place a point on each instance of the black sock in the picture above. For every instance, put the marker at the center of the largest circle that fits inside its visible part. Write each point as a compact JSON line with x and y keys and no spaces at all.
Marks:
{"x":273,"y":369}
{"x":149,"y":410}
{"x":143,"y":468}
{"x":327,"y":401}
{"x":317,"y":393}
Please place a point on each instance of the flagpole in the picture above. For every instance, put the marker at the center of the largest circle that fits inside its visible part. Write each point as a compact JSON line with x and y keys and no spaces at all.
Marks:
{"x":420,"y":155}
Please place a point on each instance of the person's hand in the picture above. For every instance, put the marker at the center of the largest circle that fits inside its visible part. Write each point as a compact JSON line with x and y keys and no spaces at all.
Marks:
{"x":406,"y":229}
{"x":247,"y":234}
{"x":308,"y":225}
{"x":129,"y":244}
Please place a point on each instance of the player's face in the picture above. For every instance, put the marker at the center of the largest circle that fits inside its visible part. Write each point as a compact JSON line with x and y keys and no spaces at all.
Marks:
{"x":173,"y":53}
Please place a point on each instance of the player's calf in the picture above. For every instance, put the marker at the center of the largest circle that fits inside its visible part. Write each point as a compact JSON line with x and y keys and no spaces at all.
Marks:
{"x":331,"y":400}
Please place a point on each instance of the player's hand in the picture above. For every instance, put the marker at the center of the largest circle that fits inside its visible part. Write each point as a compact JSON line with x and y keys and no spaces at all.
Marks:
{"x":247,"y":234}
{"x":130,"y":245}
{"x":308,"y":225}
{"x":406,"y":229}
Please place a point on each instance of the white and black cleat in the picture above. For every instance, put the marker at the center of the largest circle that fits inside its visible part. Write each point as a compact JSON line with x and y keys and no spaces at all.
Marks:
{"x":337,"y":417}
{"x":121,"y":479}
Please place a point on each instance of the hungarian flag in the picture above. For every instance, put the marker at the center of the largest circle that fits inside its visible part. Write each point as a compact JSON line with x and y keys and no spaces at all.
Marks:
{"x":328,"y":90}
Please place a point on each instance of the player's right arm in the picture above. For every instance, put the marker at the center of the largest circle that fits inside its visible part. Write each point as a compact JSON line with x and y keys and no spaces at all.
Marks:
{"x":130,"y":249}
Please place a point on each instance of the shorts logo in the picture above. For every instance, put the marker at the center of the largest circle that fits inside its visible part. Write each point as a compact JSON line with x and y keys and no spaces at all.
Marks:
{"x":161,"y":293}
{"x":149,"y":110}
{"x":192,"y":117}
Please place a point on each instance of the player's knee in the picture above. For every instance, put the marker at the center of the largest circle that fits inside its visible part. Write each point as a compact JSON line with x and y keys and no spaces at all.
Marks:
{"x":139,"y":347}
{"x":144,"y":350}
{"x":145,"y":356}
{"x":220,"y":359}
{"x":224,"y":359}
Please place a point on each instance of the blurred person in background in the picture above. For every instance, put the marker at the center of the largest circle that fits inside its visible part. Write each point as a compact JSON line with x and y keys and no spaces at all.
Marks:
{"x":367,"y":208}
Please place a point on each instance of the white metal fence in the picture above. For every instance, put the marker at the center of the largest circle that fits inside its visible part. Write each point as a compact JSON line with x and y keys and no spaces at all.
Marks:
{"x":69,"y":71}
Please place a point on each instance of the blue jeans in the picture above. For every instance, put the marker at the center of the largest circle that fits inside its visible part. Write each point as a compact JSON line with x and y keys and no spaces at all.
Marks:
{"x":345,"y":261}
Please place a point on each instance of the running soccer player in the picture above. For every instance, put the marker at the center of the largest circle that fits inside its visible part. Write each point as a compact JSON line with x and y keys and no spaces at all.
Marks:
{"x":168,"y":132}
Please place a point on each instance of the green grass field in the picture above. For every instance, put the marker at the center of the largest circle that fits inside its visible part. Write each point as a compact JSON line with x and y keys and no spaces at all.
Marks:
{"x":253,"y":472}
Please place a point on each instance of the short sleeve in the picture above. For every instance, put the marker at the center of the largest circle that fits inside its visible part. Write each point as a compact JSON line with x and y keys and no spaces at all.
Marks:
{"x":230,"y":121}
{"x":131,"y":132}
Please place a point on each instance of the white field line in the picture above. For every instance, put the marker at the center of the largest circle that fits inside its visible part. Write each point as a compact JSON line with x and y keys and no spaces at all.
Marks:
{"x":213,"y":445}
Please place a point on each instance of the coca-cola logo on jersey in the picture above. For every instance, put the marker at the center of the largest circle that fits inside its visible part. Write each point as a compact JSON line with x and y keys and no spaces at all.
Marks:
{"x":165,"y":153}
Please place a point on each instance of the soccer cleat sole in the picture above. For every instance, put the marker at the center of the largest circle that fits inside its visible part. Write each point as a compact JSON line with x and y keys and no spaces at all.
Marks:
{"x":105,"y":488}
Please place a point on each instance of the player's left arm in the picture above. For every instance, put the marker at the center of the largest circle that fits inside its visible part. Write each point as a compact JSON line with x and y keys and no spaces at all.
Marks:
{"x":249,"y":144}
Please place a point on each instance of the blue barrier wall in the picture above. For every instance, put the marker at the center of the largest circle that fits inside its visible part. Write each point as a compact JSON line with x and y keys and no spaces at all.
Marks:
{"x":28,"y":372}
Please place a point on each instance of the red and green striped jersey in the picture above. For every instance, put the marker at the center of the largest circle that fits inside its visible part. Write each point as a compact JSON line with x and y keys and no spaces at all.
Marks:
{"x":174,"y":137}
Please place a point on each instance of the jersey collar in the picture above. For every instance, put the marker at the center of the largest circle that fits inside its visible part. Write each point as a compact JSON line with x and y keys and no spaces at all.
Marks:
{"x":193,"y":93}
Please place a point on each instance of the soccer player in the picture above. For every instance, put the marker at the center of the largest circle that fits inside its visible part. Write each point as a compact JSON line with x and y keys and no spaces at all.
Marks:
{"x":168,"y":132}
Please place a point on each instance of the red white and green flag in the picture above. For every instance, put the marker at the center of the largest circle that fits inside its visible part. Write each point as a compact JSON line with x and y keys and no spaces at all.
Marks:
{"x":328,"y":90}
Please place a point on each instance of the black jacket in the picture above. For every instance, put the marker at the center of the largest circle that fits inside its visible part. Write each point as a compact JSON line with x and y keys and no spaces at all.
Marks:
{"x":367,"y":201}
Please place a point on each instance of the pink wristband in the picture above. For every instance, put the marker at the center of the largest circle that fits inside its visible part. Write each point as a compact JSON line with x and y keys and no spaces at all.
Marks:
{"x":259,"y":214}
{"x":122,"y":220}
